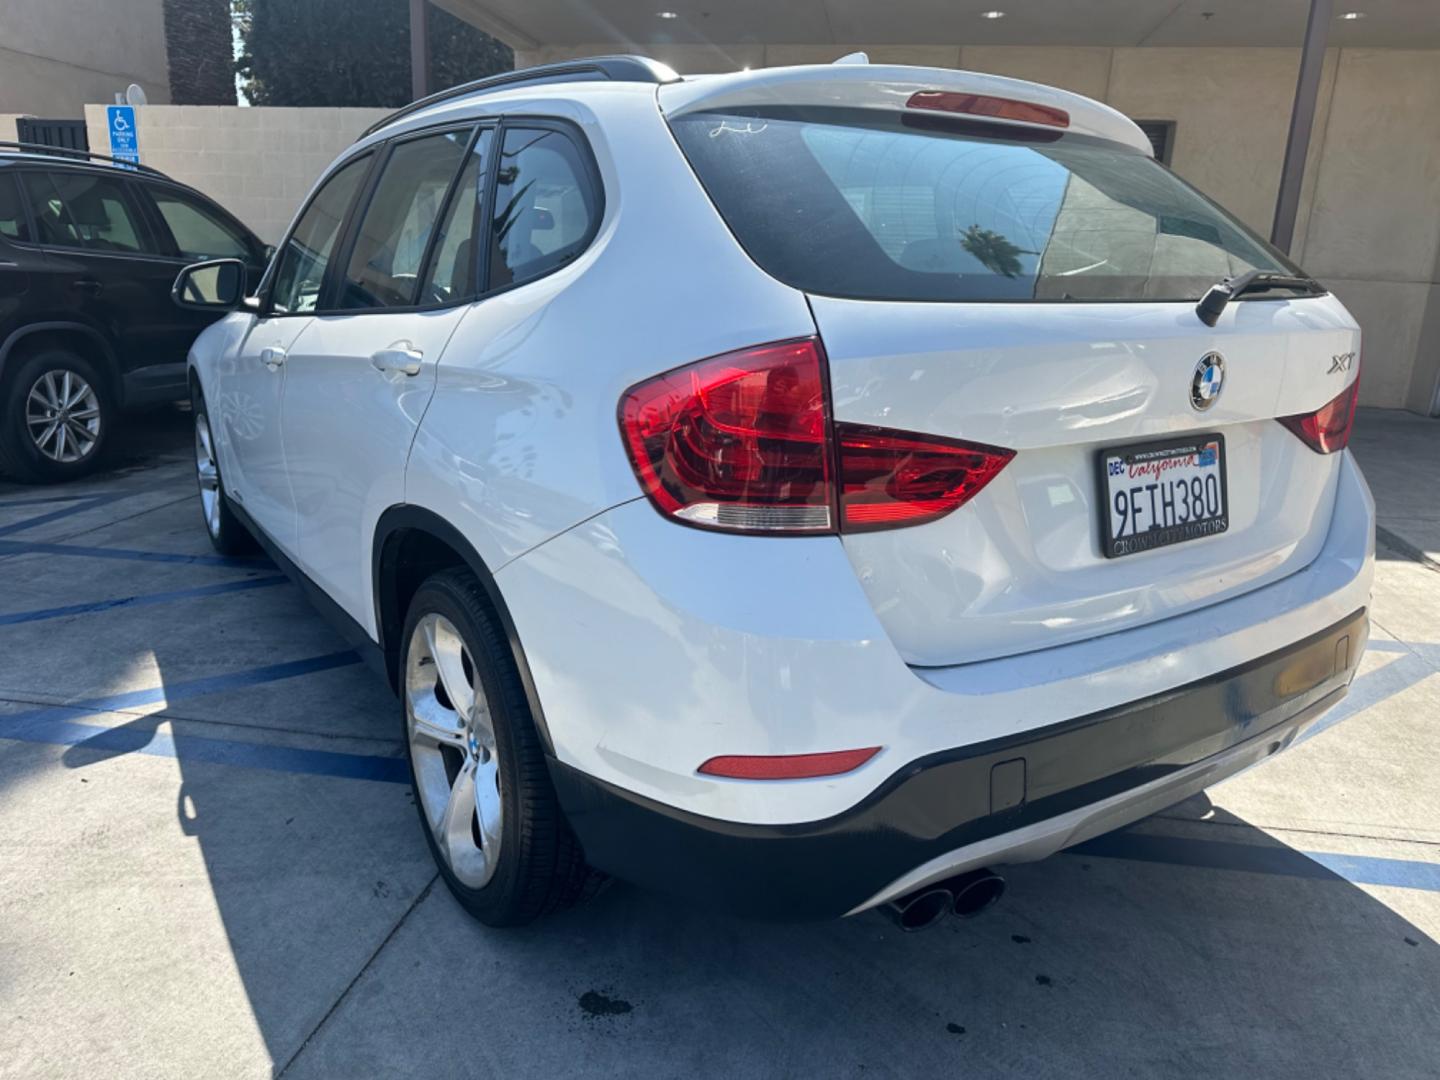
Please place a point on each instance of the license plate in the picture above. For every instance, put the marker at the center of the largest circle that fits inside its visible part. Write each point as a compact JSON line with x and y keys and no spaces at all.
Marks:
{"x":1162,"y":493}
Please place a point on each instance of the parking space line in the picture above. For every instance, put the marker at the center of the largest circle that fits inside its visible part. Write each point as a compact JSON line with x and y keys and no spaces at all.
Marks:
{"x":188,"y":688}
{"x":1259,"y":859}
{"x":127,"y":739}
{"x":26,"y":547}
{"x":45,"y":500}
{"x":142,"y":600}
{"x":78,"y":506}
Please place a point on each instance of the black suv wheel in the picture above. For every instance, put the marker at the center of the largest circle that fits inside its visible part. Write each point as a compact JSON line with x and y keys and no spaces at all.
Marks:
{"x":56,"y":412}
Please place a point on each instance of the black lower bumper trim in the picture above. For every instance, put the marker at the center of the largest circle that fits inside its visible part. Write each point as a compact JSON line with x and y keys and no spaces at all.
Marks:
{"x":945,"y":801}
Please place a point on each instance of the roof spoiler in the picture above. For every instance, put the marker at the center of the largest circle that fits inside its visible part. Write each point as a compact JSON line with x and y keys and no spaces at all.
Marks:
{"x":895,"y":88}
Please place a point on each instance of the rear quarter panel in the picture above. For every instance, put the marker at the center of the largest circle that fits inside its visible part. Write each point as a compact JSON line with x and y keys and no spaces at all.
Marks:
{"x":520,"y":441}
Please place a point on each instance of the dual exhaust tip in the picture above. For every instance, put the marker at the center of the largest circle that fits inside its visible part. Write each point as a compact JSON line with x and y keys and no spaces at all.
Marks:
{"x":965,"y":896}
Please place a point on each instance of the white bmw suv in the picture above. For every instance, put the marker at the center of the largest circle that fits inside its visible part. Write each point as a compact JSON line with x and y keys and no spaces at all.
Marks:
{"x":802,"y":489}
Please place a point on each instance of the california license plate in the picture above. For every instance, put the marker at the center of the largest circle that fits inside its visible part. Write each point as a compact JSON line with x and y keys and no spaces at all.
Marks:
{"x":1162,"y":493}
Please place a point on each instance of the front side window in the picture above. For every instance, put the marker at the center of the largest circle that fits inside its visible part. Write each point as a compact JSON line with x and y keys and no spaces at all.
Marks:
{"x":301,"y":271}
{"x":12,"y":213}
{"x":546,"y":207}
{"x":199,"y":232}
{"x":83,"y":210}
{"x":394,"y":234}
{"x":893,"y":208}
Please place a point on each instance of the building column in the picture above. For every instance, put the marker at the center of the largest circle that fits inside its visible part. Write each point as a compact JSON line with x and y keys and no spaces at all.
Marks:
{"x":420,"y":50}
{"x":1302,"y":120}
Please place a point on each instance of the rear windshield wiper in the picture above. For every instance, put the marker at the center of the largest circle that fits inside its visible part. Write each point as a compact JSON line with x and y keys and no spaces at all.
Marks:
{"x":1214,"y":301}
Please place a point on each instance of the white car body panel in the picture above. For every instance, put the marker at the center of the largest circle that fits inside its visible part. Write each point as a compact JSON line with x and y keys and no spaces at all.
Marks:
{"x":1020,"y":566}
{"x":656,"y":647}
{"x":347,"y":429}
{"x":246,"y":402}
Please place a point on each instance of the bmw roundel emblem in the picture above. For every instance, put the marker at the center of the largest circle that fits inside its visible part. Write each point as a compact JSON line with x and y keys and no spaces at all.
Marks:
{"x":1208,"y":381}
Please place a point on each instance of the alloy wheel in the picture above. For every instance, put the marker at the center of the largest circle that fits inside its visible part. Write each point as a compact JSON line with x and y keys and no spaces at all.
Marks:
{"x":208,"y":473}
{"x":62,"y":415}
{"x":452,"y":748}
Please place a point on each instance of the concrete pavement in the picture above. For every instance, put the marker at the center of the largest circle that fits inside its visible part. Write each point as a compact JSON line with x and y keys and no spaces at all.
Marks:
{"x":209,"y":865}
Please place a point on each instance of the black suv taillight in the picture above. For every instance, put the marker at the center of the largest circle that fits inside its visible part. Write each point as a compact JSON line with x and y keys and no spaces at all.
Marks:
{"x":745,"y":442}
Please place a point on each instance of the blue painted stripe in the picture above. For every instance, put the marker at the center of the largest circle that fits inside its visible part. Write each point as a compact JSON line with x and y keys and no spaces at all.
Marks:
{"x":143,"y":600}
{"x":22,"y":547}
{"x":44,"y":500}
{"x":56,"y":725}
{"x":132,"y":740}
{"x":1264,"y":859}
{"x":76,"y":507}
{"x":35,"y":719}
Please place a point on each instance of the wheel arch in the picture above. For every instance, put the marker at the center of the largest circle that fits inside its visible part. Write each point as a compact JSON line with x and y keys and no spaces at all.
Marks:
{"x":411,"y":543}
{"x":80,"y":337}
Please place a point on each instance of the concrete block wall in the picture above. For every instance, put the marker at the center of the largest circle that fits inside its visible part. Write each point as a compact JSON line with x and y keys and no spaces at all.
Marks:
{"x":259,"y":163}
{"x":1369,"y":221}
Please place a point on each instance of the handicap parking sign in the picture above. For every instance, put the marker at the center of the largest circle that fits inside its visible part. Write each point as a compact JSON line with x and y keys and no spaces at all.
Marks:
{"x":124,"y":144}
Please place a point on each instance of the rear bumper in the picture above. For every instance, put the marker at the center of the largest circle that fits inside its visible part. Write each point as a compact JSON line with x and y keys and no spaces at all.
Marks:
{"x":1010,"y":799}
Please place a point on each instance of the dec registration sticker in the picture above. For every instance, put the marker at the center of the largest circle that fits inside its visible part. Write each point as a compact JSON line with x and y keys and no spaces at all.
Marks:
{"x":1162,"y":493}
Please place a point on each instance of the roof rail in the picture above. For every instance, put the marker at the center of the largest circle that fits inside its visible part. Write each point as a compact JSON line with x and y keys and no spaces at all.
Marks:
{"x":74,"y":154}
{"x":637,"y":69}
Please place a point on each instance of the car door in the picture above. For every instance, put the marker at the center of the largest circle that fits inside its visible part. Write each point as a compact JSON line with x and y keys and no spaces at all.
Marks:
{"x":358,"y":382}
{"x":106,"y":259}
{"x":191,"y":229}
{"x":246,"y":392}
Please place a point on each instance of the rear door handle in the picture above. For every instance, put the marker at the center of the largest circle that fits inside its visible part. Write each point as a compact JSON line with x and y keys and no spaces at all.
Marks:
{"x":272,"y":357}
{"x":401,"y":356}
{"x":87,"y":285}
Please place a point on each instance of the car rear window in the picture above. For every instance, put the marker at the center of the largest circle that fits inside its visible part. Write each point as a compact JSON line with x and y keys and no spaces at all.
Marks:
{"x":882,"y":207}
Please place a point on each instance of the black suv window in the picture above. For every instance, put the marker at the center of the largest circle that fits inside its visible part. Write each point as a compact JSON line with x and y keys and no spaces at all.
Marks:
{"x":12,"y":214}
{"x":199,"y":232}
{"x":546,"y":206}
{"x":301,"y":272}
{"x":85,"y":210}
{"x":394,"y":233}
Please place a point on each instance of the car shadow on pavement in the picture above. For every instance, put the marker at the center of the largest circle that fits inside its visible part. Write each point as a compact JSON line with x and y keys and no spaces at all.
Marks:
{"x":1131,"y":955}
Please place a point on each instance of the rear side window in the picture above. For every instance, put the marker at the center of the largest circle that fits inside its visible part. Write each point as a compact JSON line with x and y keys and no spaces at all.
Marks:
{"x":453,"y":268}
{"x":301,"y":272}
{"x":12,"y":213}
{"x":845,"y":204}
{"x":84,"y":210}
{"x":546,"y":206}
{"x":394,"y":234}
{"x":199,"y":232}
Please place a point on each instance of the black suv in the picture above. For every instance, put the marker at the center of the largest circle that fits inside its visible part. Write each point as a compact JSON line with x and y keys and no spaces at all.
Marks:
{"x":88,"y":255}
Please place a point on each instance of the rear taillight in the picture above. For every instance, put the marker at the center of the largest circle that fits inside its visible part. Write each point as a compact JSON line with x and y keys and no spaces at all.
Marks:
{"x":744,"y":442}
{"x":1327,"y":429}
{"x":739,"y":441}
{"x":890,"y":478}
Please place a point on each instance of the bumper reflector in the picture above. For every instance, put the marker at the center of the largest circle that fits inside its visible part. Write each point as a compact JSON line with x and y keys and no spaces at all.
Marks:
{"x":788,"y":766}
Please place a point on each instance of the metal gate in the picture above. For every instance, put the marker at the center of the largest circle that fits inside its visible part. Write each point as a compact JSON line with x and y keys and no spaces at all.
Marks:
{"x":61,"y":134}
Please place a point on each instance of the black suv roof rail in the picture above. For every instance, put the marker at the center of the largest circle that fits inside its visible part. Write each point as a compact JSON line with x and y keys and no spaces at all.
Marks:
{"x":638,"y":69}
{"x":76,"y":155}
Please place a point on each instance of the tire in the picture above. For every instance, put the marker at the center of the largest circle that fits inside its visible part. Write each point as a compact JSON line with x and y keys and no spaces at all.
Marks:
{"x":56,"y":414}
{"x":227,"y":535}
{"x":528,"y":863}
